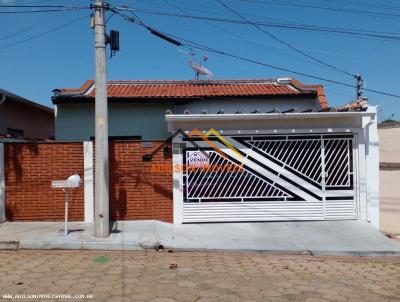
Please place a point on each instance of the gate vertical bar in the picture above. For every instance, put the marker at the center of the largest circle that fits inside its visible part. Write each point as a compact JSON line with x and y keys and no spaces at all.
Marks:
{"x":323,"y":175}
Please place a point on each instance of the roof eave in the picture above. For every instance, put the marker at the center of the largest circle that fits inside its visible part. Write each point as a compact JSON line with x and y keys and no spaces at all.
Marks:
{"x":264,"y":116}
{"x":71,"y":99}
{"x":26,"y":101}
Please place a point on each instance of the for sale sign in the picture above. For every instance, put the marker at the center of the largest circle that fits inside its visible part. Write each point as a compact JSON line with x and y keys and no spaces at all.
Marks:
{"x":197,"y":159}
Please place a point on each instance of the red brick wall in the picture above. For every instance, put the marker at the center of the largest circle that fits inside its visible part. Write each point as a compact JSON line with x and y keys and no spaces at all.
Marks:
{"x":136,"y":192}
{"x":29,"y":170}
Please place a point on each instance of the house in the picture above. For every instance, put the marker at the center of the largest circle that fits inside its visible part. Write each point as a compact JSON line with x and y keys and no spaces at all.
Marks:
{"x":294,"y":157}
{"x":137,"y":108}
{"x":389,"y":147}
{"x":22,"y":119}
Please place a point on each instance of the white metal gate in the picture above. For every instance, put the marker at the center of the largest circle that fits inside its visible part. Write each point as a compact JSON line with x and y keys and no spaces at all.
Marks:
{"x":271,"y":177}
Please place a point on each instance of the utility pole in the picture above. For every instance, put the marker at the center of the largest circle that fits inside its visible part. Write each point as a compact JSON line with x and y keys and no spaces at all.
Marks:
{"x":359,"y":82}
{"x":101,"y":213}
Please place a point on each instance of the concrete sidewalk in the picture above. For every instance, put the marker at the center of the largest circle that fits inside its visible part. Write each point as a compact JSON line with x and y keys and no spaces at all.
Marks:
{"x":317,"y":237}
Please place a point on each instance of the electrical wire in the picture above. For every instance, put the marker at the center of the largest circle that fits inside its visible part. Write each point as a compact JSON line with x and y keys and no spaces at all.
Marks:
{"x":41,"y":6}
{"x":284,"y":42}
{"x":365,"y":4}
{"x":335,"y":9}
{"x":198,"y":5}
{"x":44,"y":33}
{"x":40,"y":11}
{"x":206,"y":48}
{"x":230,"y":33}
{"x":190,"y":45}
{"x":13,"y":34}
{"x":389,"y":36}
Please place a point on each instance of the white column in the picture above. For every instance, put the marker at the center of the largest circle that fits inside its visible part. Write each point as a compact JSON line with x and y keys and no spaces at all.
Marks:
{"x":177,"y":181}
{"x":88,"y":180}
{"x":372,"y":160}
{"x":362,"y":176}
{"x":2,"y":186}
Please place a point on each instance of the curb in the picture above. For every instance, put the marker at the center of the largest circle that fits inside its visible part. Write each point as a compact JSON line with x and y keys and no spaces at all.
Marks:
{"x":134,"y":246}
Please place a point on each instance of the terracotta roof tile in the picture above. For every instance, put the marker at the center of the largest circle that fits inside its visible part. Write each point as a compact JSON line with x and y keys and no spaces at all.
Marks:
{"x":198,"y":89}
{"x":187,"y":91}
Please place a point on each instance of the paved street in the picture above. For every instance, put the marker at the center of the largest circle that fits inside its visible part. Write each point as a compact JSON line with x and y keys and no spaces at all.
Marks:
{"x":162,"y":276}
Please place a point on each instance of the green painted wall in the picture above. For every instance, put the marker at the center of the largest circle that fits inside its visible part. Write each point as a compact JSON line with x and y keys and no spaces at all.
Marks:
{"x":75,"y":122}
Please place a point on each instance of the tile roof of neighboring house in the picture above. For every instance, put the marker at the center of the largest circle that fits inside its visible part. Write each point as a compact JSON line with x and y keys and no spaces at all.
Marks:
{"x":197,"y":89}
{"x":6,"y":95}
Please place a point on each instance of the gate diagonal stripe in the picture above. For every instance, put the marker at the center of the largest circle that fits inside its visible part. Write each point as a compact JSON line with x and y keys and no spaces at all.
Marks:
{"x":294,"y":156}
{"x":260,"y":161}
{"x":219,"y":174}
{"x":278,"y":181}
{"x":201,"y":178}
{"x":207,"y":184}
{"x":333,"y":151}
{"x":314,"y":159}
{"x":337,"y":164}
{"x":227,"y":173}
{"x":306,"y":159}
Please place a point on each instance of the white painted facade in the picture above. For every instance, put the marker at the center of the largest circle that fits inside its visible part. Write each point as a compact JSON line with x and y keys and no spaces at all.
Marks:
{"x":360,"y":125}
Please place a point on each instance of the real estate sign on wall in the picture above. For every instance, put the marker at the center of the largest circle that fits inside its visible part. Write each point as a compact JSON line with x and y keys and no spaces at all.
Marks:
{"x":197,"y":159}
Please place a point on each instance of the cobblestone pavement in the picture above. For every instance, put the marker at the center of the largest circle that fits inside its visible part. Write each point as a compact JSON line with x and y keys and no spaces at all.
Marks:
{"x":180,"y":276}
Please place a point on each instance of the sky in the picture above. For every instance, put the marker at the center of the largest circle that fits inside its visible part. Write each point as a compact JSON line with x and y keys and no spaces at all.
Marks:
{"x":43,"y":51}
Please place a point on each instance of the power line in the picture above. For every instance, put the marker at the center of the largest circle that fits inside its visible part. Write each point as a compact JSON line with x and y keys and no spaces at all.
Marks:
{"x":284,"y":42}
{"x":365,"y":4}
{"x":359,"y":33}
{"x":44,"y":33}
{"x":287,"y":24}
{"x":352,"y":11}
{"x":206,"y":48}
{"x":42,"y":6}
{"x":17,"y":32}
{"x":189,"y":44}
{"x":243,"y":38}
{"x":40,"y":11}
{"x":246,"y":14}
{"x":39,"y":8}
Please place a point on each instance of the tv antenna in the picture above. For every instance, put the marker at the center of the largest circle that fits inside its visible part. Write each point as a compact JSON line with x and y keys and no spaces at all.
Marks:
{"x":196,"y":65}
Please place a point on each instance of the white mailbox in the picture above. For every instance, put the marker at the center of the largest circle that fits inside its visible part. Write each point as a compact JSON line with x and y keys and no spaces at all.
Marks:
{"x":74,"y":181}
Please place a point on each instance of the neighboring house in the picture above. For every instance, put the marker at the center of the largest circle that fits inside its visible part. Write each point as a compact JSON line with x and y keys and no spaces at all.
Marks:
{"x":22,"y":119}
{"x":389,"y":145}
{"x":137,"y":108}
{"x":300,"y":159}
